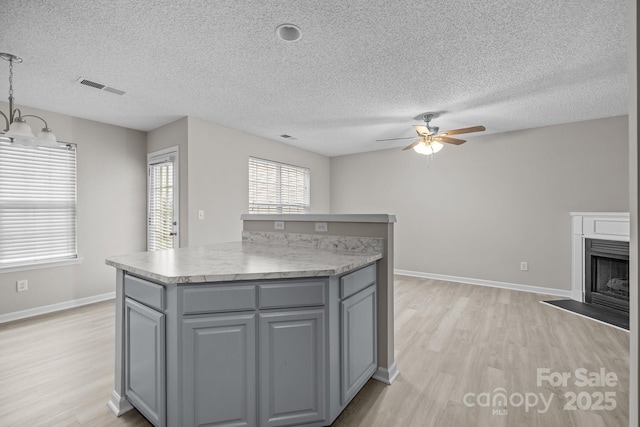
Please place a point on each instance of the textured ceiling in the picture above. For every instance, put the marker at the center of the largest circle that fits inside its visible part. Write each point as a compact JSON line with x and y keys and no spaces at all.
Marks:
{"x":362,"y":70}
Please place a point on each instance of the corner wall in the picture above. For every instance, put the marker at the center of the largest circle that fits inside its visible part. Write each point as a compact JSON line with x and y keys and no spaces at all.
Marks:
{"x":634,"y":354}
{"x":481,"y":208}
{"x":111,"y":214}
{"x":219,"y":178}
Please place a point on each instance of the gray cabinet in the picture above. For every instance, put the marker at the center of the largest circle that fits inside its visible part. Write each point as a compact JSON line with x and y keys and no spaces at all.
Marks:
{"x":358,"y":332}
{"x":145,"y":360}
{"x":223,"y":385}
{"x":219,"y":370}
{"x":255,"y":353}
{"x":292,"y":367}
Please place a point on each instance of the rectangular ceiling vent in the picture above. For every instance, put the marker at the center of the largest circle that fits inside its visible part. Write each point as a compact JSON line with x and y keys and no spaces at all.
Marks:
{"x":99,"y":86}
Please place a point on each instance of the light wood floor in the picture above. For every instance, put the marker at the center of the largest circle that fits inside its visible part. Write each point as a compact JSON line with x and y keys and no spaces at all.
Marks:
{"x":451,"y":339}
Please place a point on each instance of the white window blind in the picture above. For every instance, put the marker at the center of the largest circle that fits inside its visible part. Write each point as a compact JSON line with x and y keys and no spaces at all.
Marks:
{"x":161,"y":222}
{"x":37,"y":204}
{"x":277,"y":187}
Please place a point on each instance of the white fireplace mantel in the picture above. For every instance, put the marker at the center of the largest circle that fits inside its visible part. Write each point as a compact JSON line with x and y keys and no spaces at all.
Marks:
{"x":593,"y":225}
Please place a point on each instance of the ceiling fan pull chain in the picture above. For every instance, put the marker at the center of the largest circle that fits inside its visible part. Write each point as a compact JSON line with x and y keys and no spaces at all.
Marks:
{"x":429,"y":158}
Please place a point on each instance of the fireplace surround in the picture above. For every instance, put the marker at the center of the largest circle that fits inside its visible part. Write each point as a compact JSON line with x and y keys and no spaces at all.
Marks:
{"x":600,"y":259}
{"x":606,"y":274}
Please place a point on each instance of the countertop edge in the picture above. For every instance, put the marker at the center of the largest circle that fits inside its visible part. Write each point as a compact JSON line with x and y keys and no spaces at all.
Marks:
{"x":374,"y":218}
{"x":207,"y":278}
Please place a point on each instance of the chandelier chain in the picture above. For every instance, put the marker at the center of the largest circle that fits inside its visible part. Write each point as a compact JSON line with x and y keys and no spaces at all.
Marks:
{"x":17,"y":129}
{"x":10,"y":78}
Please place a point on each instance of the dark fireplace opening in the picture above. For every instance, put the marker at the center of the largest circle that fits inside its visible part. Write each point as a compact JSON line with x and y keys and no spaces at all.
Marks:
{"x":607,"y":274}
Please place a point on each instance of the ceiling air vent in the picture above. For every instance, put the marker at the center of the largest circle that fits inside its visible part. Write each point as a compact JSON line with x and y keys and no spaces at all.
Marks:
{"x":99,"y":86}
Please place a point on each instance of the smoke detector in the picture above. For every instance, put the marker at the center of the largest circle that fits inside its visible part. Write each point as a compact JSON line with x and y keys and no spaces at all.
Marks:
{"x":288,"y":32}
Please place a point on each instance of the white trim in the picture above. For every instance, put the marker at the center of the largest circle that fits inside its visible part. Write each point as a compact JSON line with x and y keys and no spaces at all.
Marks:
{"x":118,"y":405}
{"x":383,"y":218}
{"x":39,"y":265}
{"x":385,"y":375}
{"x":490,"y":283}
{"x":599,"y":214}
{"x":582,"y":315}
{"x":17,"y":315}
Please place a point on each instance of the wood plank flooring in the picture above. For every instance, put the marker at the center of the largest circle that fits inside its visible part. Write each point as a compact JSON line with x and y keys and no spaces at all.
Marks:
{"x":452,"y":340}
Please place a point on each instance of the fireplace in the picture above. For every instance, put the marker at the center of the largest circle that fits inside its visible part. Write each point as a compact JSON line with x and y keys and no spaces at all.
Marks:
{"x":606,"y":270}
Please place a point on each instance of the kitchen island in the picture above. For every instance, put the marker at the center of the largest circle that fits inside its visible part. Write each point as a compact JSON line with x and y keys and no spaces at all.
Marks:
{"x":245,"y":333}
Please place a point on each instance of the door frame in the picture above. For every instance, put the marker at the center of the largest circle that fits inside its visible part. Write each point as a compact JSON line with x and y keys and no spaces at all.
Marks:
{"x":157,"y":157}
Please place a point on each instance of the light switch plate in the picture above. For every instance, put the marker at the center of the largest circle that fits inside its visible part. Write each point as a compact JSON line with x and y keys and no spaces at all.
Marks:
{"x":22,"y":285}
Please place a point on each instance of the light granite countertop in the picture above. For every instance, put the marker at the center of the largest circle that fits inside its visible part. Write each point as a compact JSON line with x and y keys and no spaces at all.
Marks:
{"x":240,"y":261}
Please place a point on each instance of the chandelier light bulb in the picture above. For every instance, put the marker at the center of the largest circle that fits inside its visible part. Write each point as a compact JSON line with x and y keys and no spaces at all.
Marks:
{"x":20,"y":128}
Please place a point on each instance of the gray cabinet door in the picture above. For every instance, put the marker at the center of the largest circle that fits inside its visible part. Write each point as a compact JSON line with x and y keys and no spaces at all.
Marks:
{"x":292,"y":367}
{"x":145,"y":360}
{"x":219,"y":370}
{"x":359,"y":348}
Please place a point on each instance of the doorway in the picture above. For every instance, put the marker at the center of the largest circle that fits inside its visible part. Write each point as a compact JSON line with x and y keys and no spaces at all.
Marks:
{"x":162,"y":200}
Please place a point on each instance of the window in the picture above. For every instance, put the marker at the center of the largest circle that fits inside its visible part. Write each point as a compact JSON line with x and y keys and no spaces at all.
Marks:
{"x":37,"y":204}
{"x":277,"y":187}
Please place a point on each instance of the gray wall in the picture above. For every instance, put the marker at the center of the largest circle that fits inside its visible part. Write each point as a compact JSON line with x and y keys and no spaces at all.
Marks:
{"x":634,"y":355}
{"x":219,"y":178}
{"x":111,"y":219}
{"x":480,"y":208}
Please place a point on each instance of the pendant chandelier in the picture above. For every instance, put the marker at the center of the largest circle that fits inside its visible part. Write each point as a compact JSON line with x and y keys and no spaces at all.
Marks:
{"x":16,"y":127}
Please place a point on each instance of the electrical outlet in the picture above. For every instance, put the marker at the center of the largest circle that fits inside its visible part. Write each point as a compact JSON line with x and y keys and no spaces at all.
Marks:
{"x":278,"y":225}
{"x":22,"y":285}
{"x":321,"y":227}
{"x":200,"y":214}
{"x":524,"y":266}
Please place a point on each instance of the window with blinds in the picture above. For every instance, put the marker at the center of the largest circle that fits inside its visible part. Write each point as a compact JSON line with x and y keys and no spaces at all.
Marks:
{"x":160,"y":234}
{"x":277,"y":187}
{"x":37,"y":204}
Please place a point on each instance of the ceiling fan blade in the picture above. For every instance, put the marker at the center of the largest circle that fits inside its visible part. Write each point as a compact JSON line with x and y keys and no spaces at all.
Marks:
{"x":464,"y":130}
{"x":422,"y":130}
{"x":449,"y":140}
{"x":395,"y":139}
{"x":413,"y":144}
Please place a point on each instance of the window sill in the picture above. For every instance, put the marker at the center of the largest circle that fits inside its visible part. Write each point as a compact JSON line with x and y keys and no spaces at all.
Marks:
{"x":39,"y":265}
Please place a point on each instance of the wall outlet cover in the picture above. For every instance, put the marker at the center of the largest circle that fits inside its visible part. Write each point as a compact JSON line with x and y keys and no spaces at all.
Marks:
{"x":322,"y":227}
{"x":278,"y":225}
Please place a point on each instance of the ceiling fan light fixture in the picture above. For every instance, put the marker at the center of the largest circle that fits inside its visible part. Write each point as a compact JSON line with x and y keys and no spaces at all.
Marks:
{"x":428,"y":147}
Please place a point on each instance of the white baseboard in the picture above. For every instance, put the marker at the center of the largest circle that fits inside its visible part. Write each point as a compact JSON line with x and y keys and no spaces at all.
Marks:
{"x":118,"y":404}
{"x":490,"y":283}
{"x":385,"y":375}
{"x":17,"y":315}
